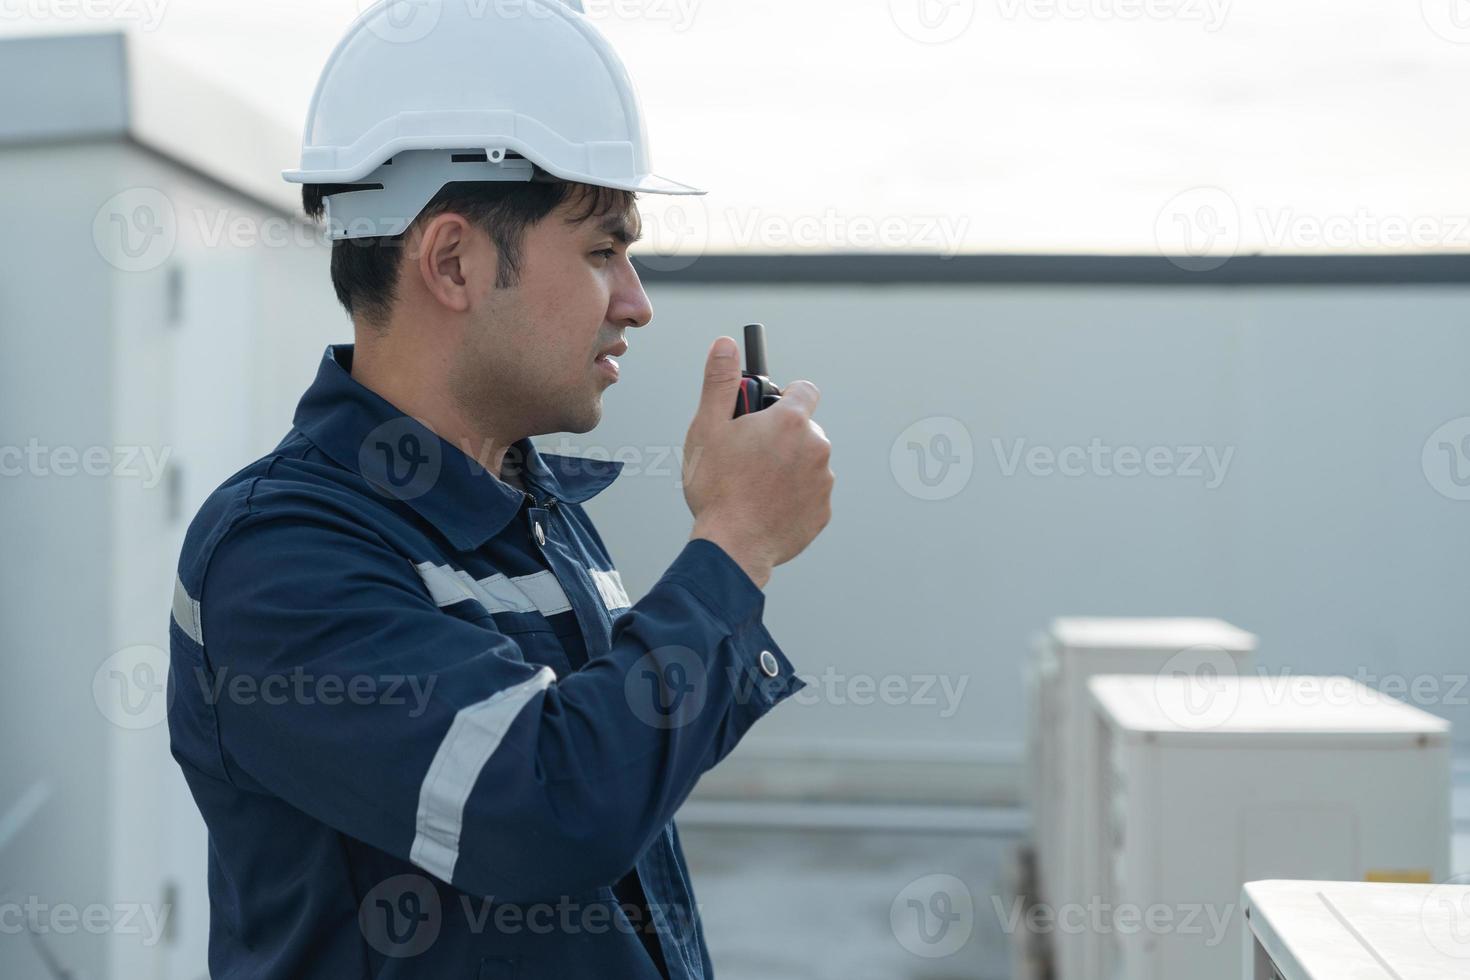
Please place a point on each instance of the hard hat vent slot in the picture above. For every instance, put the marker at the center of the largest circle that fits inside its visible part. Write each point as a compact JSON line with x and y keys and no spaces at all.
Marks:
{"x":332,"y":189}
{"x":485,"y":156}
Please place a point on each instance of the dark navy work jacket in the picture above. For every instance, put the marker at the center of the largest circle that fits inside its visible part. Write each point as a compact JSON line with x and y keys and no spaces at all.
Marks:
{"x":428,"y":732}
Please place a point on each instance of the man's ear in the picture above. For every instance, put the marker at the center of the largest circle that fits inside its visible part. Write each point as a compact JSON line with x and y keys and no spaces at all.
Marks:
{"x":444,"y":260}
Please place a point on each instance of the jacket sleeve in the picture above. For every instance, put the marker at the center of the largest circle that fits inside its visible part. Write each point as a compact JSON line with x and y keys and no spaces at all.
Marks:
{"x":337,"y":684}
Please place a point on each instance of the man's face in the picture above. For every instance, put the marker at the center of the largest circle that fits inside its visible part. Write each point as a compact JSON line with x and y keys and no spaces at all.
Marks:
{"x":529,"y":363}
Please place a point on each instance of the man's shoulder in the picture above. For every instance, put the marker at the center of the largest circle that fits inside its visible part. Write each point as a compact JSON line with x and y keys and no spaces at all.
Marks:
{"x":291,"y":487}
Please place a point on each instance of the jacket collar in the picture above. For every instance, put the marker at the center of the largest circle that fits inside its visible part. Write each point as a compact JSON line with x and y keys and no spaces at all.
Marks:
{"x":403,"y":459}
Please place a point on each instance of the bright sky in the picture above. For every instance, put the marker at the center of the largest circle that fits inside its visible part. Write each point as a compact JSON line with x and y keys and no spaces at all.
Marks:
{"x":980,"y":125}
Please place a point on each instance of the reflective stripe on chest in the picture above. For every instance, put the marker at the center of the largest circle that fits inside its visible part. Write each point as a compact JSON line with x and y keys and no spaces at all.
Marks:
{"x":539,"y":592}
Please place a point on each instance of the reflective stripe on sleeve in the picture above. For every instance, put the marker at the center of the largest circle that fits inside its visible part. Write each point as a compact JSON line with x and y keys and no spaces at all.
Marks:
{"x":472,"y":739}
{"x":186,"y":612}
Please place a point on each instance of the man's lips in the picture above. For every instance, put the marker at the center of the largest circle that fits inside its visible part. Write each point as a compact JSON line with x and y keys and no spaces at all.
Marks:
{"x":616,"y":351}
{"x":608,"y":359}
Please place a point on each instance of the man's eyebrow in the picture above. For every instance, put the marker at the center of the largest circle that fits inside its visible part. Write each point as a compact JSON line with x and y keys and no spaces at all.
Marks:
{"x":616,"y":225}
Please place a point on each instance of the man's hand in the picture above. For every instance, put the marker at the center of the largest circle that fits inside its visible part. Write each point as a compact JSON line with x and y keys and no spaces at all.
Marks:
{"x":759,"y":486}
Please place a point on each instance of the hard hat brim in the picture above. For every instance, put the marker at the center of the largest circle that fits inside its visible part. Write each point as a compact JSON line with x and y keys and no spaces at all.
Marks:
{"x":646,"y":183}
{"x":653,"y":184}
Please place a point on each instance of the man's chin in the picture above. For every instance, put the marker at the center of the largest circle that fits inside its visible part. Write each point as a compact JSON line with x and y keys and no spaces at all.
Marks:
{"x":585,"y":421}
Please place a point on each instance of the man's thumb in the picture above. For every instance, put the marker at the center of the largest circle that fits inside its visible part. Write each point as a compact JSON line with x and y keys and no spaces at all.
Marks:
{"x":721,"y":379}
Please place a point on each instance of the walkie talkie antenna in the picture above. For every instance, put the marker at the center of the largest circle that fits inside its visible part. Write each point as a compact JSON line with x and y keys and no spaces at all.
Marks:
{"x":755,"y":349}
{"x":757,"y":390}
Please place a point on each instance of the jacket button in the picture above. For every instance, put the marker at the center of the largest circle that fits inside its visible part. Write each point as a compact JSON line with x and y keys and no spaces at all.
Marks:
{"x":769,"y":667}
{"x":540,"y":534}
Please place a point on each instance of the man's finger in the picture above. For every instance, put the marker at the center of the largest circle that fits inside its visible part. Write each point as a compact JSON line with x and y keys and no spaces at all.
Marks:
{"x":721,"y":380}
{"x":801,"y":396}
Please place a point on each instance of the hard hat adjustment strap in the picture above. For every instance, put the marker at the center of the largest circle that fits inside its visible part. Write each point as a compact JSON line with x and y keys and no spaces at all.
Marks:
{"x":394,"y":194}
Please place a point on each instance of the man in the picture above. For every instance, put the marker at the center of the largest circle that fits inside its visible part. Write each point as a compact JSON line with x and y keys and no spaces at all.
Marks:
{"x":428,"y":732}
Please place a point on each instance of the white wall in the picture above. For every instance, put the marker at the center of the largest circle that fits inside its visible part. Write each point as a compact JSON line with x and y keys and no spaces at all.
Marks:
{"x":55,"y":385}
{"x":1325,"y":536}
{"x":194,"y":350}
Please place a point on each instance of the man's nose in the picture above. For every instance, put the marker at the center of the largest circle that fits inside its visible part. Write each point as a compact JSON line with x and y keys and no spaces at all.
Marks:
{"x":630,"y":304}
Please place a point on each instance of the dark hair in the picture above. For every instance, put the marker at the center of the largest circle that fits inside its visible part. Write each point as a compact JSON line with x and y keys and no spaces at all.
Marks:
{"x":365,"y":270}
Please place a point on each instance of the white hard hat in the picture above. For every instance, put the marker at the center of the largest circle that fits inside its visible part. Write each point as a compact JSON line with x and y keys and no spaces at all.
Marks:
{"x":421,"y":93}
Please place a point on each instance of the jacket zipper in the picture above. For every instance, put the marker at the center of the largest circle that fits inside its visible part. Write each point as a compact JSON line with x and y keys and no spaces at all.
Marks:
{"x":547,"y":504}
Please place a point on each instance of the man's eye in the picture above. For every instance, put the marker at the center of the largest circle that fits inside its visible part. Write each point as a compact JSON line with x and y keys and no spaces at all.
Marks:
{"x":606,"y":252}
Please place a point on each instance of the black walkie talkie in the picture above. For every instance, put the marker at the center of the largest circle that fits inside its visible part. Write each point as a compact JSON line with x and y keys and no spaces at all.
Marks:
{"x":757,"y":391}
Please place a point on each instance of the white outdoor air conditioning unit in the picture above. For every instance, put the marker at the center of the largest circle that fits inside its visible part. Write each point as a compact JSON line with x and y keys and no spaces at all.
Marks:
{"x":1073,"y":650}
{"x":1354,"y":930}
{"x":1208,"y":784}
